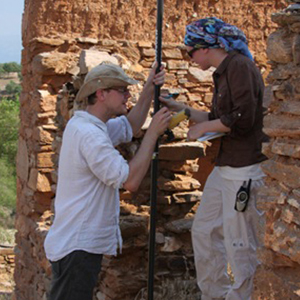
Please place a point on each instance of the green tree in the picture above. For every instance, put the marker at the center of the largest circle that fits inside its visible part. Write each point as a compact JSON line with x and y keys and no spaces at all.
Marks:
{"x":10,"y":67}
{"x":2,"y":71}
{"x":13,"y":88}
{"x":9,"y":127}
{"x":8,"y":188}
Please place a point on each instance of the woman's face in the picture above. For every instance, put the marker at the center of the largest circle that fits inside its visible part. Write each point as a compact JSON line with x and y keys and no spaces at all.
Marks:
{"x":199,"y":56}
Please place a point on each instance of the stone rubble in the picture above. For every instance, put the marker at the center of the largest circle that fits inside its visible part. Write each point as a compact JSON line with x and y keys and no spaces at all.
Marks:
{"x":7,"y":265}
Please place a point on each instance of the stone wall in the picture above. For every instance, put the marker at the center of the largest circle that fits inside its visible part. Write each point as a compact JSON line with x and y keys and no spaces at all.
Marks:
{"x":7,"y":265}
{"x":55,"y":37}
{"x":279,"y":276}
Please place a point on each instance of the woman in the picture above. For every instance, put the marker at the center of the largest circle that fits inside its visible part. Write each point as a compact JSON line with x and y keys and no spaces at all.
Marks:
{"x":224,"y":229}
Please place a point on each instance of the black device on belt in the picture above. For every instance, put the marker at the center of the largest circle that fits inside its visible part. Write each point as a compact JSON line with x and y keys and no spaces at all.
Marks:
{"x":242,"y":197}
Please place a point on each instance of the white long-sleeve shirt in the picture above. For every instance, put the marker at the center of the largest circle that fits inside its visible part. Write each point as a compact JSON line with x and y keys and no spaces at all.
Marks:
{"x":90,"y":173}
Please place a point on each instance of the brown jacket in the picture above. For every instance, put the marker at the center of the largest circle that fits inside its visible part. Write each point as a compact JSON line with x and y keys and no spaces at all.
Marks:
{"x":237,"y":102}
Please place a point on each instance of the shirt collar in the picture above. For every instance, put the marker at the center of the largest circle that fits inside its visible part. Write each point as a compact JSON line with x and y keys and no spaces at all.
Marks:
{"x":222,"y":67}
{"x":90,"y":118}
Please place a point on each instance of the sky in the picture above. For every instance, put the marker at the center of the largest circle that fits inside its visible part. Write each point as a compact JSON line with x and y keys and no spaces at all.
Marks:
{"x":10,"y":30}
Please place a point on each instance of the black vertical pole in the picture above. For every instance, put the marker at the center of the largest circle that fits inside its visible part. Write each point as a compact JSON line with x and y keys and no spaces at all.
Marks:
{"x":154,"y":164}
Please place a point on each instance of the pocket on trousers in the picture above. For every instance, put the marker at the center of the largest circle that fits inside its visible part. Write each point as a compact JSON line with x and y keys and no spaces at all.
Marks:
{"x":55,"y":265}
{"x":86,"y":273}
{"x":245,"y":265}
{"x":254,"y":195}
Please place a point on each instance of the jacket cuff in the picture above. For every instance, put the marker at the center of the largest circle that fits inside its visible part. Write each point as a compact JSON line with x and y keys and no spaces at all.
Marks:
{"x":211,"y":116}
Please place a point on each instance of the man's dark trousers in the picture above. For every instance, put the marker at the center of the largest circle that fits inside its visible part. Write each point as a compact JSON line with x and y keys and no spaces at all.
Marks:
{"x":75,"y":276}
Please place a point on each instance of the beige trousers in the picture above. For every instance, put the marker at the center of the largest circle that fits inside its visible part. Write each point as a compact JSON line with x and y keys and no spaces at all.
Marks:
{"x":221,"y":235}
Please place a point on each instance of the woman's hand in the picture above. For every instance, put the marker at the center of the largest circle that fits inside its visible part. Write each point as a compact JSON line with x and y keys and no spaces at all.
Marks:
{"x":195,"y":132}
{"x":170,"y":103}
{"x":199,"y":129}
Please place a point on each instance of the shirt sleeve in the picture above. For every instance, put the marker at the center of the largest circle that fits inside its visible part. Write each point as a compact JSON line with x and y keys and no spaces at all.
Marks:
{"x":211,"y":115}
{"x":104,"y":160}
{"x":119,"y":130}
{"x":242,"y":80}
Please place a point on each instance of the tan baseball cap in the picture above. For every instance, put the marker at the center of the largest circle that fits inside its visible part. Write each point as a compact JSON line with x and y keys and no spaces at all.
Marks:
{"x":103,"y":76}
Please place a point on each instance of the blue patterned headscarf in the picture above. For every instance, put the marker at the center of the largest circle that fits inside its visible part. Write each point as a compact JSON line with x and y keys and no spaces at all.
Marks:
{"x":215,"y":33}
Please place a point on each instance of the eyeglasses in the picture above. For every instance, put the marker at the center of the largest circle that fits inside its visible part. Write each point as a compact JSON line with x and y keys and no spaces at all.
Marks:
{"x":191,"y":52}
{"x":121,"y":90}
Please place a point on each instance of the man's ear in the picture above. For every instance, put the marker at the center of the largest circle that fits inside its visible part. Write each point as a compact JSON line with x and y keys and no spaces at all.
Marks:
{"x":100,"y":95}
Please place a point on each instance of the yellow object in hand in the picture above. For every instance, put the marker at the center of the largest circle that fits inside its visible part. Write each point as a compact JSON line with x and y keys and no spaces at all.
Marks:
{"x":180,"y":116}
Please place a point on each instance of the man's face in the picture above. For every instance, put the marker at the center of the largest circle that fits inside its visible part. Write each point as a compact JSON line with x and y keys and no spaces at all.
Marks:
{"x":117,"y":98}
{"x":199,"y":56}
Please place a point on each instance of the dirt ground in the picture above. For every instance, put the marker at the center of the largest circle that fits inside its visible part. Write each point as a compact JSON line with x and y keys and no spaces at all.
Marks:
{"x":5,"y":80}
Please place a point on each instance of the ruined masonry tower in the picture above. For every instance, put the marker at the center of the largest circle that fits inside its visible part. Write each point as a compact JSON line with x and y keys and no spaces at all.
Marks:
{"x":62,"y":40}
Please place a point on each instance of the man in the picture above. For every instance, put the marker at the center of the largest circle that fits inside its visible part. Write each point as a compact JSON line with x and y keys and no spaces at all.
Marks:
{"x":91,"y":171}
{"x":224,"y":228}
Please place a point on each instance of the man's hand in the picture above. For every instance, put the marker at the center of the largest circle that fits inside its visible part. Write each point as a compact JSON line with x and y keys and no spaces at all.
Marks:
{"x":160,"y":122}
{"x":139,"y":164}
{"x":138,"y":113}
{"x":156,"y":79}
